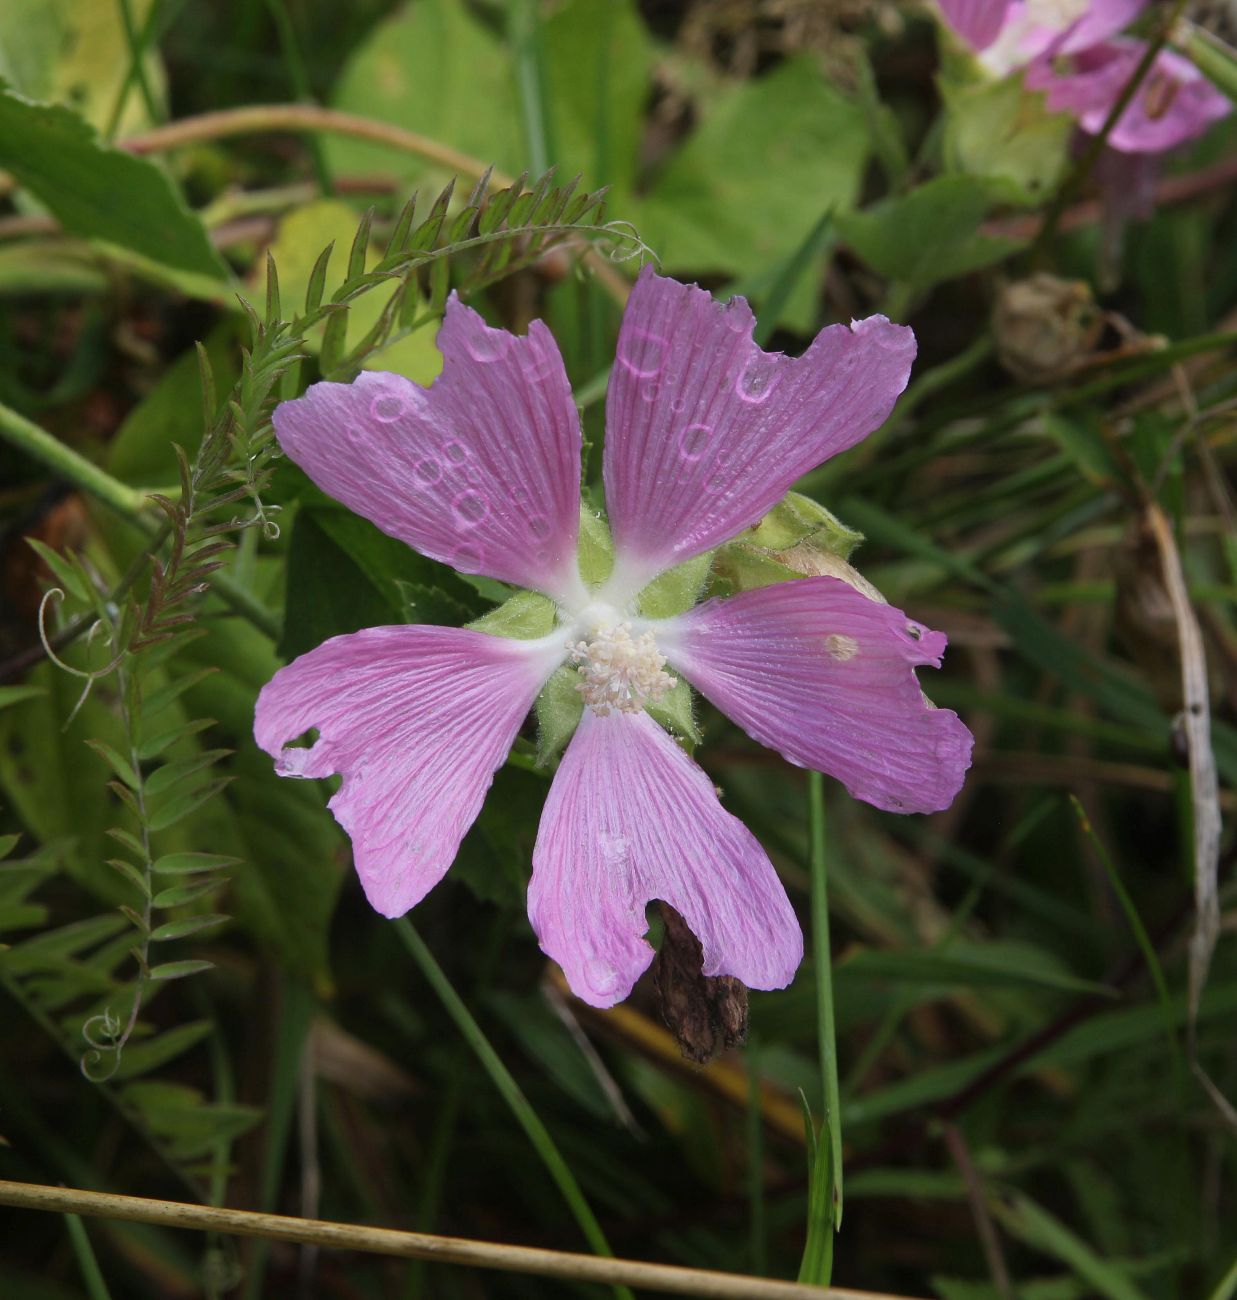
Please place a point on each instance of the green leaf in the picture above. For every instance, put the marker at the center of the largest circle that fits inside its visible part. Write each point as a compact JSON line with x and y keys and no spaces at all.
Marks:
{"x":290,"y":844}
{"x":816,"y":1266}
{"x":76,"y":52}
{"x":186,"y":926}
{"x":179,"y":864}
{"x":1078,"y":436}
{"x":1036,"y":1227}
{"x":748,"y":185}
{"x":496,"y":856}
{"x":162,"y":740}
{"x":162,"y":779}
{"x":929,"y":235}
{"x":328,"y":593}
{"x":1213,"y":58}
{"x":180,"y":806}
{"x":1008,"y":963}
{"x":58,"y":157}
{"x":434,"y":67}
{"x":10,"y":695}
{"x":998,"y":132}
{"x":65,"y":942}
{"x":51,"y":781}
{"x":598,"y":66}
{"x":177,"y":970}
{"x":178,"y":895}
{"x":120,"y":765}
{"x":63,"y":569}
{"x":298,"y":244}
{"x":141,"y":1058}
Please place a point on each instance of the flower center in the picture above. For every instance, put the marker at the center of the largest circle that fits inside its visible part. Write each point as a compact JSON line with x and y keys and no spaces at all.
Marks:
{"x":617,"y":670}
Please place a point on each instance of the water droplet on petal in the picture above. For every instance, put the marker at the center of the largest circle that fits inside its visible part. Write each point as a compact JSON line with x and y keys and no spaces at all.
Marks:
{"x":456,"y":452}
{"x":649,"y":391}
{"x":486,"y":345}
{"x":694,"y":441}
{"x":470,"y":508}
{"x":387,"y":407}
{"x":600,"y":976}
{"x":427,"y":471}
{"x":539,"y":526}
{"x":642,"y":352}
{"x":758,"y":380}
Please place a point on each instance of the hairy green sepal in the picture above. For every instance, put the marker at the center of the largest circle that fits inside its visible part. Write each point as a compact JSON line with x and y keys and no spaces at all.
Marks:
{"x":677,"y":589}
{"x":596,"y":547}
{"x":524,"y":617}
{"x":796,"y":519}
{"x":559,"y":710}
{"x":756,"y":558}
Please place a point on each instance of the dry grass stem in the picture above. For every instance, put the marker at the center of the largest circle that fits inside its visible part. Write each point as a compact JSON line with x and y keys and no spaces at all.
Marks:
{"x":664,"y":1278}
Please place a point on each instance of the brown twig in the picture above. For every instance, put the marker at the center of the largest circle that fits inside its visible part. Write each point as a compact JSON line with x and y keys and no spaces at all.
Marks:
{"x":668,"y":1279}
{"x":988,"y":1239}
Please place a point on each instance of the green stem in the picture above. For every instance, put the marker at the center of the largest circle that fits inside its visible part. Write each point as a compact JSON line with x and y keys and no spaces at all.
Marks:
{"x":92,"y":1274}
{"x":755,"y":1163}
{"x":503,"y":1080}
{"x":1077,"y":178}
{"x":299,"y":77}
{"x":295,"y":1018}
{"x":822,"y":960}
{"x":68,"y":464}
{"x":136,"y":71}
{"x":74,"y":468}
{"x":524,"y":33}
{"x":1141,"y":937}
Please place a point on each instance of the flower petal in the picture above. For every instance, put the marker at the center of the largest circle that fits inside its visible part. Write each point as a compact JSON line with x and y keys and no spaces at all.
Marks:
{"x":705,"y":432}
{"x":481,"y":470}
{"x":1102,"y":19}
{"x":825,"y":676}
{"x":1175,"y":103}
{"x":976,"y":21}
{"x":630,"y":818}
{"x":417,"y":719}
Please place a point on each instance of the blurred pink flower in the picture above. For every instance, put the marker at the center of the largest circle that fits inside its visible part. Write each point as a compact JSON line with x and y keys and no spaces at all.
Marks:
{"x":1072,"y":51}
{"x":706,"y":433}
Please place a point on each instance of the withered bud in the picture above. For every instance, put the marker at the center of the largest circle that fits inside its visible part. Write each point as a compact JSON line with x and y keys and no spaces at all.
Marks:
{"x":1044,"y":326}
{"x":705,"y":1013}
{"x":816,"y":562}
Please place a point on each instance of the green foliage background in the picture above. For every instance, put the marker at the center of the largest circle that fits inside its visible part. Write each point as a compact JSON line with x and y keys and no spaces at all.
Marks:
{"x":196,"y":1002}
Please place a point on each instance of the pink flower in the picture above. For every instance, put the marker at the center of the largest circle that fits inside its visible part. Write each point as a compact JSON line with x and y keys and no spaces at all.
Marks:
{"x":1072,"y":51}
{"x":1174,"y":104}
{"x":705,"y":434}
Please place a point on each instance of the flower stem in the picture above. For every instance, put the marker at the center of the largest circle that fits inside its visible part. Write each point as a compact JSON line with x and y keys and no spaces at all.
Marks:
{"x":73,"y":467}
{"x":502,"y":1079}
{"x":822,"y":961}
{"x":758,"y":1230}
{"x":1090,"y":156}
{"x":69,"y":464}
